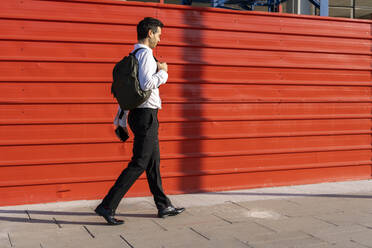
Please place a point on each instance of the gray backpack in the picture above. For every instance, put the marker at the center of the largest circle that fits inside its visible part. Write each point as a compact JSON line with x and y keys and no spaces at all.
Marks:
{"x":126,"y":87}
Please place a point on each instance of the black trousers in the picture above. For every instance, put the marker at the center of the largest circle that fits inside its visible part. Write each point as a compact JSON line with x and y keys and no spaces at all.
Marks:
{"x":146,"y":157}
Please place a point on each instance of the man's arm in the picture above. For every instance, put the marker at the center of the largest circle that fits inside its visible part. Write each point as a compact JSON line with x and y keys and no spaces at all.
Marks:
{"x":149,"y":75}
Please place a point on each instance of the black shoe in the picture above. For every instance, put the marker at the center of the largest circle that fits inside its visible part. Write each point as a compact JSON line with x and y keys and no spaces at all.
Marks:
{"x":169,"y":211}
{"x":108,"y":215}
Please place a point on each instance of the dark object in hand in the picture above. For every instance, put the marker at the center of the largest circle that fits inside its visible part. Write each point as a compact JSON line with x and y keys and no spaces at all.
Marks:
{"x":122,"y":133}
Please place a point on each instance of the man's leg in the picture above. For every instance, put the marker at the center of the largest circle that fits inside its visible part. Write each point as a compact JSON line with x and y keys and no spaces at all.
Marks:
{"x":154,"y":179}
{"x":122,"y":185}
{"x":162,"y":202}
{"x":109,"y":204}
{"x":140,"y":123}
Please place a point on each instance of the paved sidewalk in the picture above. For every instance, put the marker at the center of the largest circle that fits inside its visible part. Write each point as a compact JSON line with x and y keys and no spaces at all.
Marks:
{"x":320,"y":215}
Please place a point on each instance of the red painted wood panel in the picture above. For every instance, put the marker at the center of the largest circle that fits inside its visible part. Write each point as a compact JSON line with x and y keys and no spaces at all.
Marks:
{"x":253,"y":99}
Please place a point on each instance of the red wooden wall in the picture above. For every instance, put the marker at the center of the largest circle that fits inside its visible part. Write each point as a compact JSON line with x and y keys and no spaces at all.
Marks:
{"x":252,"y":100}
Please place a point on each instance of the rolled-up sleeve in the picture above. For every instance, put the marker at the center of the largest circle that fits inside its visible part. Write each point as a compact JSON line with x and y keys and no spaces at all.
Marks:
{"x":148,"y":76}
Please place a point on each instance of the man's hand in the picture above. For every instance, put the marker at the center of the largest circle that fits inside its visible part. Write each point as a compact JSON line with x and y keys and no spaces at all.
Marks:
{"x":122,"y":133}
{"x":162,"y":66}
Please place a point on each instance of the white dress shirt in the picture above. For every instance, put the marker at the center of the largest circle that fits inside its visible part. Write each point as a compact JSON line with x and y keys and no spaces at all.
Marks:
{"x":149,"y":78}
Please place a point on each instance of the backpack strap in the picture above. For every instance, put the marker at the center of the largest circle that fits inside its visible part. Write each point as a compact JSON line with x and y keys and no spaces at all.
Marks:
{"x":135,"y":52}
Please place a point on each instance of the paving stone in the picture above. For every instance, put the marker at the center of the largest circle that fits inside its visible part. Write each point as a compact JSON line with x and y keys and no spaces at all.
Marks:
{"x":14,"y":224}
{"x":130,"y":226}
{"x":328,"y":205}
{"x":197,"y":200}
{"x":47,"y":219}
{"x":335,"y":245}
{"x":107,"y":241}
{"x":4,"y":240}
{"x":137,"y":215}
{"x":186,"y":220}
{"x":347,"y":244}
{"x":319,"y":245}
{"x":13,"y":213}
{"x":227,"y":213}
{"x":208,"y":210}
{"x":294,"y":207}
{"x":233,"y":212}
{"x":251,"y":215}
{"x":338,"y":235}
{"x":298,"y":243}
{"x":227,"y":243}
{"x":12,"y":219}
{"x":276,"y":208}
{"x":347,"y":218}
{"x":320,"y":232}
{"x":64,"y":239}
{"x":276,"y":204}
{"x":70,"y":218}
{"x":171,"y":238}
{"x":239,"y":231}
{"x":294,"y":224}
{"x":283,"y":239}
{"x":128,"y":206}
{"x":313,"y":206}
{"x":355,"y":236}
{"x":48,"y":238}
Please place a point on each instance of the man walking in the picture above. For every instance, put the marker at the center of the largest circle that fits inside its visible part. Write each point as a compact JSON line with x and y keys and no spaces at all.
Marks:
{"x":143,"y":122}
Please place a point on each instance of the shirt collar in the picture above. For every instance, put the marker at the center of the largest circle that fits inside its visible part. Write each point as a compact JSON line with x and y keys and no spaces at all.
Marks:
{"x":138,"y":45}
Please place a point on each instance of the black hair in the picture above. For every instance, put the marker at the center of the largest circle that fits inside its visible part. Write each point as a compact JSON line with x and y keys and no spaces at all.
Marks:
{"x":148,"y":23}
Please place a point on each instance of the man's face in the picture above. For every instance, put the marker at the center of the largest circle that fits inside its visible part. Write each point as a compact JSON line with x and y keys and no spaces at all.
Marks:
{"x":154,"y":38}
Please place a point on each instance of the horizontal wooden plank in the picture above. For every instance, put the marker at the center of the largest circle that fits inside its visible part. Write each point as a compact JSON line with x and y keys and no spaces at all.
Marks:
{"x":57,"y":93}
{"x":102,"y":72}
{"x":103,"y":113}
{"x":101,"y":93}
{"x":55,"y":72}
{"x":126,"y":34}
{"x":78,"y":153}
{"x":70,"y":11}
{"x":262,"y":93}
{"x":262,"y":111}
{"x":56,"y":51}
{"x":264,"y":162}
{"x":268,"y":179}
{"x":243,"y":58}
{"x":75,"y":173}
{"x":200,"y":38}
{"x":103,"y":133}
{"x":14,"y":29}
{"x":110,"y":53}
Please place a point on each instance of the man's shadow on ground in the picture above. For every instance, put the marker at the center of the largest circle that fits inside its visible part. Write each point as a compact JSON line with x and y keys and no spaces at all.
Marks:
{"x":58,"y":222}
